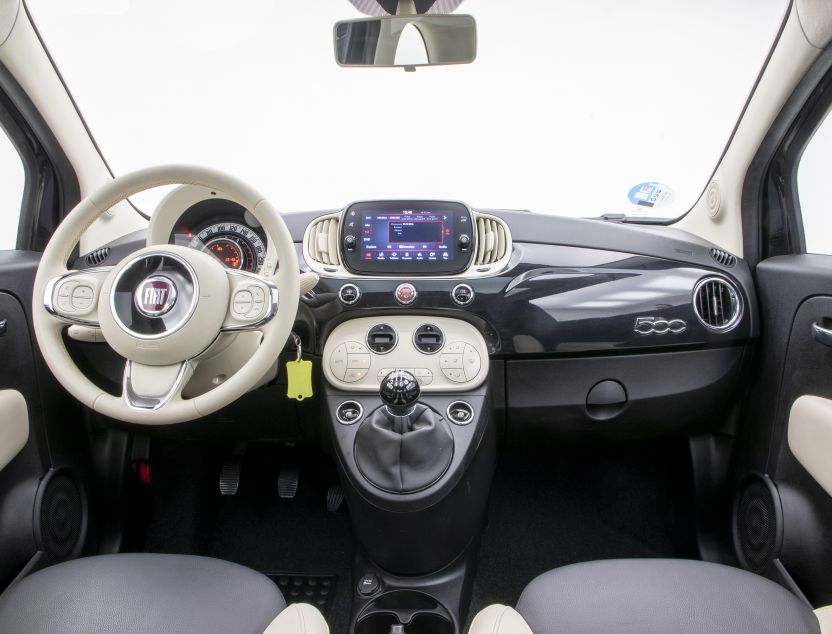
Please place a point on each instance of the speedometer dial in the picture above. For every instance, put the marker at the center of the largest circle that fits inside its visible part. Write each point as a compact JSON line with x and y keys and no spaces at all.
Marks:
{"x":233,"y":244}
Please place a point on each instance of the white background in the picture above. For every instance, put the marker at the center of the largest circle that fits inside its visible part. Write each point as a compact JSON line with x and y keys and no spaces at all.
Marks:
{"x":568,"y":105}
{"x":814,"y":186}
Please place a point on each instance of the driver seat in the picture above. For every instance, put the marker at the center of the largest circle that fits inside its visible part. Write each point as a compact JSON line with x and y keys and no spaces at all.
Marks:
{"x":148,"y":593}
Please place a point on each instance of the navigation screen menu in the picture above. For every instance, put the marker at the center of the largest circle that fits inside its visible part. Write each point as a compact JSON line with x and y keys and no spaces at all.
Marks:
{"x":408,"y":235}
{"x":403,"y":237}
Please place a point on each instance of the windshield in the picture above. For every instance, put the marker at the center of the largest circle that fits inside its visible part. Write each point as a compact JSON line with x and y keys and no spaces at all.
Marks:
{"x":575,"y":108}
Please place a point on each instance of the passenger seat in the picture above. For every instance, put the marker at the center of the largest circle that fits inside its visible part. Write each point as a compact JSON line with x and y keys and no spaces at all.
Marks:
{"x":653,"y":596}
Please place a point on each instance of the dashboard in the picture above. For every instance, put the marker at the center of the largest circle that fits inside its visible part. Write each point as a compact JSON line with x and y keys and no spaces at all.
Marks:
{"x":568,"y":323}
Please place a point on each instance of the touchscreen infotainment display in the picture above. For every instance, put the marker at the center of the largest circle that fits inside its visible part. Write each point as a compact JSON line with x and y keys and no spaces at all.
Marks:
{"x":396,"y":237}
{"x":410,"y":234}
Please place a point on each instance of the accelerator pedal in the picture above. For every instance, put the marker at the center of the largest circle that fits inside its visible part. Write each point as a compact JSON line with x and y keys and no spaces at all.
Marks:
{"x":334,"y":497}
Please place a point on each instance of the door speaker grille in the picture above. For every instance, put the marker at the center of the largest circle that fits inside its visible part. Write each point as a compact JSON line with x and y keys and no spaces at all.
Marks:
{"x":60,"y":515}
{"x":757,"y":523}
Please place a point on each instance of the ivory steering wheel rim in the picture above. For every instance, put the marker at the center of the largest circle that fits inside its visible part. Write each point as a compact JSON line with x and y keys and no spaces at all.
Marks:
{"x":211,"y":289}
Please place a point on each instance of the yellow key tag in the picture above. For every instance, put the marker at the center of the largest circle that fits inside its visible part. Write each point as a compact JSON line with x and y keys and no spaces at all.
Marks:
{"x":299,"y":375}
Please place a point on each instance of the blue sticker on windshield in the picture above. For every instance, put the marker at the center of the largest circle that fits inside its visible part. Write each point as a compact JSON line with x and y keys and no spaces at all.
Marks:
{"x":650,"y":195}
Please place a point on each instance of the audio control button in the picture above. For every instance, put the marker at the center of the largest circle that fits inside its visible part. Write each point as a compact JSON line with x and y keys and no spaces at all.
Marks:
{"x":471,"y":362}
{"x":338,"y":362}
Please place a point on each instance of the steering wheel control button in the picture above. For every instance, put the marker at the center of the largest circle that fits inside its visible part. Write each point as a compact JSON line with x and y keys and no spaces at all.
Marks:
{"x":349,"y":412}
{"x":460,"y":413}
{"x":338,"y":362}
{"x":462,"y":294}
{"x":349,"y":294}
{"x":241,"y":303}
{"x":368,"y":585}
{"x":405,"y":294}
{"x":155,"y":296}
{"x":382,"y":338}
{"x":82,"y":297}
{"x":471,"y":362}
{"x":428,"y":338}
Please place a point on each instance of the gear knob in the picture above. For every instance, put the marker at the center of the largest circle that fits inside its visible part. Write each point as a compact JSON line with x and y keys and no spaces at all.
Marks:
{"x":399,"y":391}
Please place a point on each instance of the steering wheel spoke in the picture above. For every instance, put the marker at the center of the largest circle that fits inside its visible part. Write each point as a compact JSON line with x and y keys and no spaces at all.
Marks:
{"x":151,"y":387}
{"x":252,"y":304}
{"x":73,"y":296}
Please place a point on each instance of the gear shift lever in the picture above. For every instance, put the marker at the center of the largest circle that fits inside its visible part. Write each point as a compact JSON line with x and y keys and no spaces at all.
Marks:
{"x":400,"y":392}
{"x":404,"y":445}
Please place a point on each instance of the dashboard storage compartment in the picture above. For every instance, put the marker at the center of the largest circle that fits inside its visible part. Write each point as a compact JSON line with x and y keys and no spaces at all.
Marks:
{"x":617,"y":397}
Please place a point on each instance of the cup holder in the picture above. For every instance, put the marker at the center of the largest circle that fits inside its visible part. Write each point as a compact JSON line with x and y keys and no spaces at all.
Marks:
{"x":416,"y":612}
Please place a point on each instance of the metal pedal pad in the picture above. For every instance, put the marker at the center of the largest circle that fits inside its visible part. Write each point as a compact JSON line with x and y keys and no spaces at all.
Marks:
{"x":334,"y":497}
{"x":287,"y":481}
{"x":230,"y":477}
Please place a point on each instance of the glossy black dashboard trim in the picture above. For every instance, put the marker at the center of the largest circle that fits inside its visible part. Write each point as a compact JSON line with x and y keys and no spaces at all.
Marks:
{"x":558,"y":301}
{"x":573,"y":287}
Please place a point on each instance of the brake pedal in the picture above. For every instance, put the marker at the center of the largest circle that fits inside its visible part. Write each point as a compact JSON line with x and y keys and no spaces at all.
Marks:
{"x":287,"y":480}
{"x":230,"y":472}
{"x":230,"y":477}
{"x":334,"y":497}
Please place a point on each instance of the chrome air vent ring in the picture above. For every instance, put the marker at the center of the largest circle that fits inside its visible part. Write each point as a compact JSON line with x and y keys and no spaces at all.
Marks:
{"x":717,"y":303}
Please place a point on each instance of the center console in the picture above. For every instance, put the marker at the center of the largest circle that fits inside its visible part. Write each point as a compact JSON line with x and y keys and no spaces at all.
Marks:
{"x":415,"y":447}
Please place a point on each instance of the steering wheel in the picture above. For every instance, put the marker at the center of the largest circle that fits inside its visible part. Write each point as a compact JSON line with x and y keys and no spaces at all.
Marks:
{"x":163,"y":306}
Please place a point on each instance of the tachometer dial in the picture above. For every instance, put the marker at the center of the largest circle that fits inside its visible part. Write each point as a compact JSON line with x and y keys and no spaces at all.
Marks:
{"x":233,"y":244}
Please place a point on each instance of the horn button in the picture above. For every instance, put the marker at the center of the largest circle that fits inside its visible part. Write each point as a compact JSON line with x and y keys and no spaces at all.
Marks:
{"x":165,"y":306}
{"x":153,"y":296}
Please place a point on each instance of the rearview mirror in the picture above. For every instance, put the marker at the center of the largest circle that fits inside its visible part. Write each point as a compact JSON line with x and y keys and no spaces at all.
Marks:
{"x":406,"y":41}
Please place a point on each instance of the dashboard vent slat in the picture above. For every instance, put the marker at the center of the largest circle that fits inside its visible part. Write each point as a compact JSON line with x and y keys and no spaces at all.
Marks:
{"x":723,"y":257}
{"x":717,"y":304}
{"x":492,"y":241}
{"x":94,"y":258}
{"x":322,"y":241}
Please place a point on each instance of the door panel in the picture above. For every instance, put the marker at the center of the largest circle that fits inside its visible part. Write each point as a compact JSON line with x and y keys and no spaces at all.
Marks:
{"x":794,"y":293}
{"x":43,"y":501}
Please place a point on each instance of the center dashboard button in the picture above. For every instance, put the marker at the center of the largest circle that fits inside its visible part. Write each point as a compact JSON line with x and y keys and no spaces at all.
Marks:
{"x":405,"y":294}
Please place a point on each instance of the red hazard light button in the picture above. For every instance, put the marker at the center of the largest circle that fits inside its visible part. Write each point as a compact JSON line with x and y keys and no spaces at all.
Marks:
{"x":405,"y":294}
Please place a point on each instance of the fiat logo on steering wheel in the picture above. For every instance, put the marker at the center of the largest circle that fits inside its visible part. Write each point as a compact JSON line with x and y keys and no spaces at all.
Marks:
{"x":155,"y":296}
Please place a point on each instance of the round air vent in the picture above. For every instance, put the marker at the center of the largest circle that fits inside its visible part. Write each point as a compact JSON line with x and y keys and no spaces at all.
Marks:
{"x":717,"y":303}
{"x":757,"y":523}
